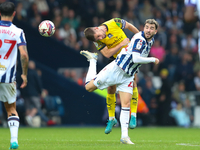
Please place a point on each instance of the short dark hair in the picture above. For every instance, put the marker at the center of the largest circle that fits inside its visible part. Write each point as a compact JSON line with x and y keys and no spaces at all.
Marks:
{"x":7,"y":8}
{"x":152,"y":21}
{"x":89,"y":33}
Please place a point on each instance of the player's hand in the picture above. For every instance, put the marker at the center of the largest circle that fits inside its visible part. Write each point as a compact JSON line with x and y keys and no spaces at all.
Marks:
{"x":125,"y":42}
{"x":157,"y":61}
{"x":24,"y":78}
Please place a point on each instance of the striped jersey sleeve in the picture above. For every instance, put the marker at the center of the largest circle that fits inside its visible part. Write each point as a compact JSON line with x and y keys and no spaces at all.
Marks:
{"x":21,"y":40}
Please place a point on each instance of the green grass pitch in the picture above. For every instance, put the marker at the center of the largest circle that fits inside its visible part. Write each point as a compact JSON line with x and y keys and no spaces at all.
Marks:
{"x":93,"y":138}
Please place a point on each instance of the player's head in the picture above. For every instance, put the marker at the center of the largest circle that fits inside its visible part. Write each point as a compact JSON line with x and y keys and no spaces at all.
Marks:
{"x":7,"y":9}
{"x":94,"y":33}
{"x":150,"y":28}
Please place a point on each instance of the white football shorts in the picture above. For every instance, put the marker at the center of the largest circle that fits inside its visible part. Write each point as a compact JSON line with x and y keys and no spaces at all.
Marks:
{"x":8,"y":92}
{"x":114,"y":75}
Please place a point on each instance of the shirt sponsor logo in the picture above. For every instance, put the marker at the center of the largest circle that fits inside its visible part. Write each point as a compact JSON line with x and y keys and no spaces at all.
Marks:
{"x":110,"y":35}
{"x":2,"y":67}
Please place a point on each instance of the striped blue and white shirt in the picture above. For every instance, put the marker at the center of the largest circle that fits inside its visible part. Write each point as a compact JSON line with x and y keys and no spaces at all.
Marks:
{"x":10,"y":38}
{"x":138,"y":45}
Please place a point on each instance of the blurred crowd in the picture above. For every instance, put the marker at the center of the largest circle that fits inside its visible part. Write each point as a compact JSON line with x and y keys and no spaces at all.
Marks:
{"x":35,"y":106}
{"x":164,"y":88}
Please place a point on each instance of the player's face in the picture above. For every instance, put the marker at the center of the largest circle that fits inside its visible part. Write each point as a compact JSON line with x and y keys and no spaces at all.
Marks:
{"x":99,"y":34}
{"x":149,"y":30}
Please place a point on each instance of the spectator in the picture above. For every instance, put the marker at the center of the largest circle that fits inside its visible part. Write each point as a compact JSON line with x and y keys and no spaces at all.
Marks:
{"x":184,"y":71}
{"x":179,"y":94}
{"x":143,"y":111}
{"x":53,"y":107}
{"x":146,"y":11}
{"x":131,"y":17}
{"x":178,"y":113}
{"x":197,"y":80}
{"x":65,"y":32}
{"x":171,"y":61}
{"x":158,"y":51}
{"x":189,"y":43}
{"x":32,"y":93}
{"x":20,"y":12}
{"x":148,"y":93}
{"x":73,"y":20}
{"x":65,"y":15}
{"x":32,"y":12}
{"x":164,"y":99}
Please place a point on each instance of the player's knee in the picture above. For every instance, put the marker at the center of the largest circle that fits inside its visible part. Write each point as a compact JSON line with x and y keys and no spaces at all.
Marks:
{"x":89,"y":88}
{"x":111,"y":89}
{"x":126,"y":104}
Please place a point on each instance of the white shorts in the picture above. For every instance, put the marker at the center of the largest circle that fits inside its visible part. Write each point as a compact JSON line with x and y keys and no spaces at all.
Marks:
{"x":114,"y":75}
{"x":8,"y":92}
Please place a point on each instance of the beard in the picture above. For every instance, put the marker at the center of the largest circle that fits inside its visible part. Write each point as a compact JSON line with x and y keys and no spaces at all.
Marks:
{"x":149,"y":37}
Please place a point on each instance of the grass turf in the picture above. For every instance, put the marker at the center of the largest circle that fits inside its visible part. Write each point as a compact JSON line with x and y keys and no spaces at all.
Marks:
{"x":93,"y":138}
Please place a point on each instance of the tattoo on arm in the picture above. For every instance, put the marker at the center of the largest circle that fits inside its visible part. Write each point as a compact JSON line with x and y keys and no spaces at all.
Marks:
{"x":24,"y":60}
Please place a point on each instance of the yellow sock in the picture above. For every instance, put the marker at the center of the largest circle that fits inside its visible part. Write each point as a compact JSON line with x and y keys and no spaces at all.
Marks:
{"x":134,"y":101}
{"x":111,"y":102}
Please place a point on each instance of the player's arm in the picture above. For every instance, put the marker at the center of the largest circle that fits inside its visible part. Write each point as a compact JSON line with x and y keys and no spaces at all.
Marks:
{"x":24,"y":63}
{"x":108,"y":53}
{"x":131,"y":27}
{"x":189,"y":15}
{"x":137,"y":49}
{"x":144,"y":60}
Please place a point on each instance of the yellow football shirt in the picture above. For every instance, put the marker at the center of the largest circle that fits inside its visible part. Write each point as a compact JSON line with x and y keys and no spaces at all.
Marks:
{"x":114,"y":35}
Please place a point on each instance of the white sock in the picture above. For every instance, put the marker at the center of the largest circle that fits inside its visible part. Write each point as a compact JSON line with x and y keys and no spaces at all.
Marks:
{"x":124,"y":120}
{"x":111,"y":118}
{"x":13,"y":123}
{"x":91,"y":71}
{"x":134,"y":114}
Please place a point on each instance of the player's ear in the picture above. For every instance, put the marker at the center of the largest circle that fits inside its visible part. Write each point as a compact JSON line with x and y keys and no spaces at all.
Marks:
{"x":14,"y":13}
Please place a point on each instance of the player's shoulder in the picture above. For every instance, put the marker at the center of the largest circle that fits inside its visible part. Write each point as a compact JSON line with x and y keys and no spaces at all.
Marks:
{"x":140,"y":36}
{"x":16,"y":29}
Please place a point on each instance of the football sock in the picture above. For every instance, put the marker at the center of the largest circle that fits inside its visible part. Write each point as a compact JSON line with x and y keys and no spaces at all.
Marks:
{"x":111,"y":102}
{"x":13,"y":123}
{"x":124,"y":120}
{"x":91,"y":71}
{"x":134,"y":102}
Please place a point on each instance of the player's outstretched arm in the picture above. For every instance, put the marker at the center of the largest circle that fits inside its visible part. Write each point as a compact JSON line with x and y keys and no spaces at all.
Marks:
{"x":24,"y":62}
{"x":108,"y":53}
{"x":131,"y":27}
{"x":144,"y":60}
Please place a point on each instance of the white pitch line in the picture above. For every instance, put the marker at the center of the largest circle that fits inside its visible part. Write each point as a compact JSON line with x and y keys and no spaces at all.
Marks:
{"x":186,"y":144}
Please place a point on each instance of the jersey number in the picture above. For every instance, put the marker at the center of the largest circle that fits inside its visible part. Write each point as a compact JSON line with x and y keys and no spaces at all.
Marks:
{"x":12,"y":42}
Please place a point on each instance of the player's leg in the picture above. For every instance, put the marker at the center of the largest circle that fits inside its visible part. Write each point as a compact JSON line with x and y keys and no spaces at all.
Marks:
{"x":125,"y":116}
{"x":111,"y":103}
{"x":13,"y":123}
{"x":134,"y":103}
{"x":8,"y":95}
{"x":92,"y":58}
{"x":90,"y":87}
